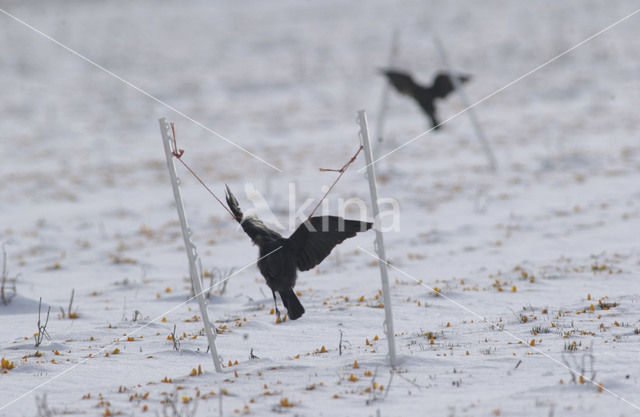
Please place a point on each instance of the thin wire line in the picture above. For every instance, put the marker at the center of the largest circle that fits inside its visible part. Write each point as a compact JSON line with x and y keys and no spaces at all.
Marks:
{"x":83,"y":361}
{"x":138,"y":89}
{"x":495,"y":325}
{"x":520,"y":78}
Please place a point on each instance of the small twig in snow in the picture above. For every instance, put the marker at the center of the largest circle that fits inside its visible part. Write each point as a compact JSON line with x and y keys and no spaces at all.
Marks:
{"x":42,"y":408}
{"x":69,"y":314}
{"x":42,"y":329}
{"x":174,"y":339}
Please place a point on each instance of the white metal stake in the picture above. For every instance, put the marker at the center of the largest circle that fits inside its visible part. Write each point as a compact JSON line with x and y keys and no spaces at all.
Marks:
{"x":192,"y":252}
{"x":467,"y":103}
{"x":379,"y":243}
{"x":384,"y":102}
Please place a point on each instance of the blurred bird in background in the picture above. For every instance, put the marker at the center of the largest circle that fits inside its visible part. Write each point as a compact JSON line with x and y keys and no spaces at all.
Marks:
{"x":442,"y":86}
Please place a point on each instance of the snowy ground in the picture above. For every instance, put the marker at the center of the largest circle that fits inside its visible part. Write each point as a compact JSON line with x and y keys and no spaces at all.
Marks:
{"x":543,"y":255}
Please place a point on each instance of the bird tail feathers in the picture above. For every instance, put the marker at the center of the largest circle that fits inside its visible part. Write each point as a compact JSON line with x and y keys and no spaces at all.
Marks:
{"x":292,"y":304}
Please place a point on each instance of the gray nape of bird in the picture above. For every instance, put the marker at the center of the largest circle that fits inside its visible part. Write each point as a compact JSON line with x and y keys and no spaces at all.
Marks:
{"x":425,"y":96}
{"x":280,"y":258}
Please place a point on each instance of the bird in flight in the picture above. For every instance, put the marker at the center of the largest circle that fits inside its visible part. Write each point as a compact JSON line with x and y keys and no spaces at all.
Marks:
{"x":425,"y":96}
{"x":281,"y":257}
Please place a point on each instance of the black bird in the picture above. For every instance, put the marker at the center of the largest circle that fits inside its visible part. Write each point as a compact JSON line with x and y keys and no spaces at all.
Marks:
{"x":425,"y":96}
{"x":280,"y":257}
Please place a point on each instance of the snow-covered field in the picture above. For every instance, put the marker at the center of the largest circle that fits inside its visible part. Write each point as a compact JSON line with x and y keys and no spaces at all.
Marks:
{"x":536,"y":266}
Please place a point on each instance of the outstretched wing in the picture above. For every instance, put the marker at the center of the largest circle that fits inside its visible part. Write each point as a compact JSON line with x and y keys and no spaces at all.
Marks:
{"x":443,"y":84}
{"x":401,"y":81}
{"x":314,"y":239}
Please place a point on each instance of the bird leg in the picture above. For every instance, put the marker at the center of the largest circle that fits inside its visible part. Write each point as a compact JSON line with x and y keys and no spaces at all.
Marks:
{"x":434,"y":121}
{"x":275,"y":302}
